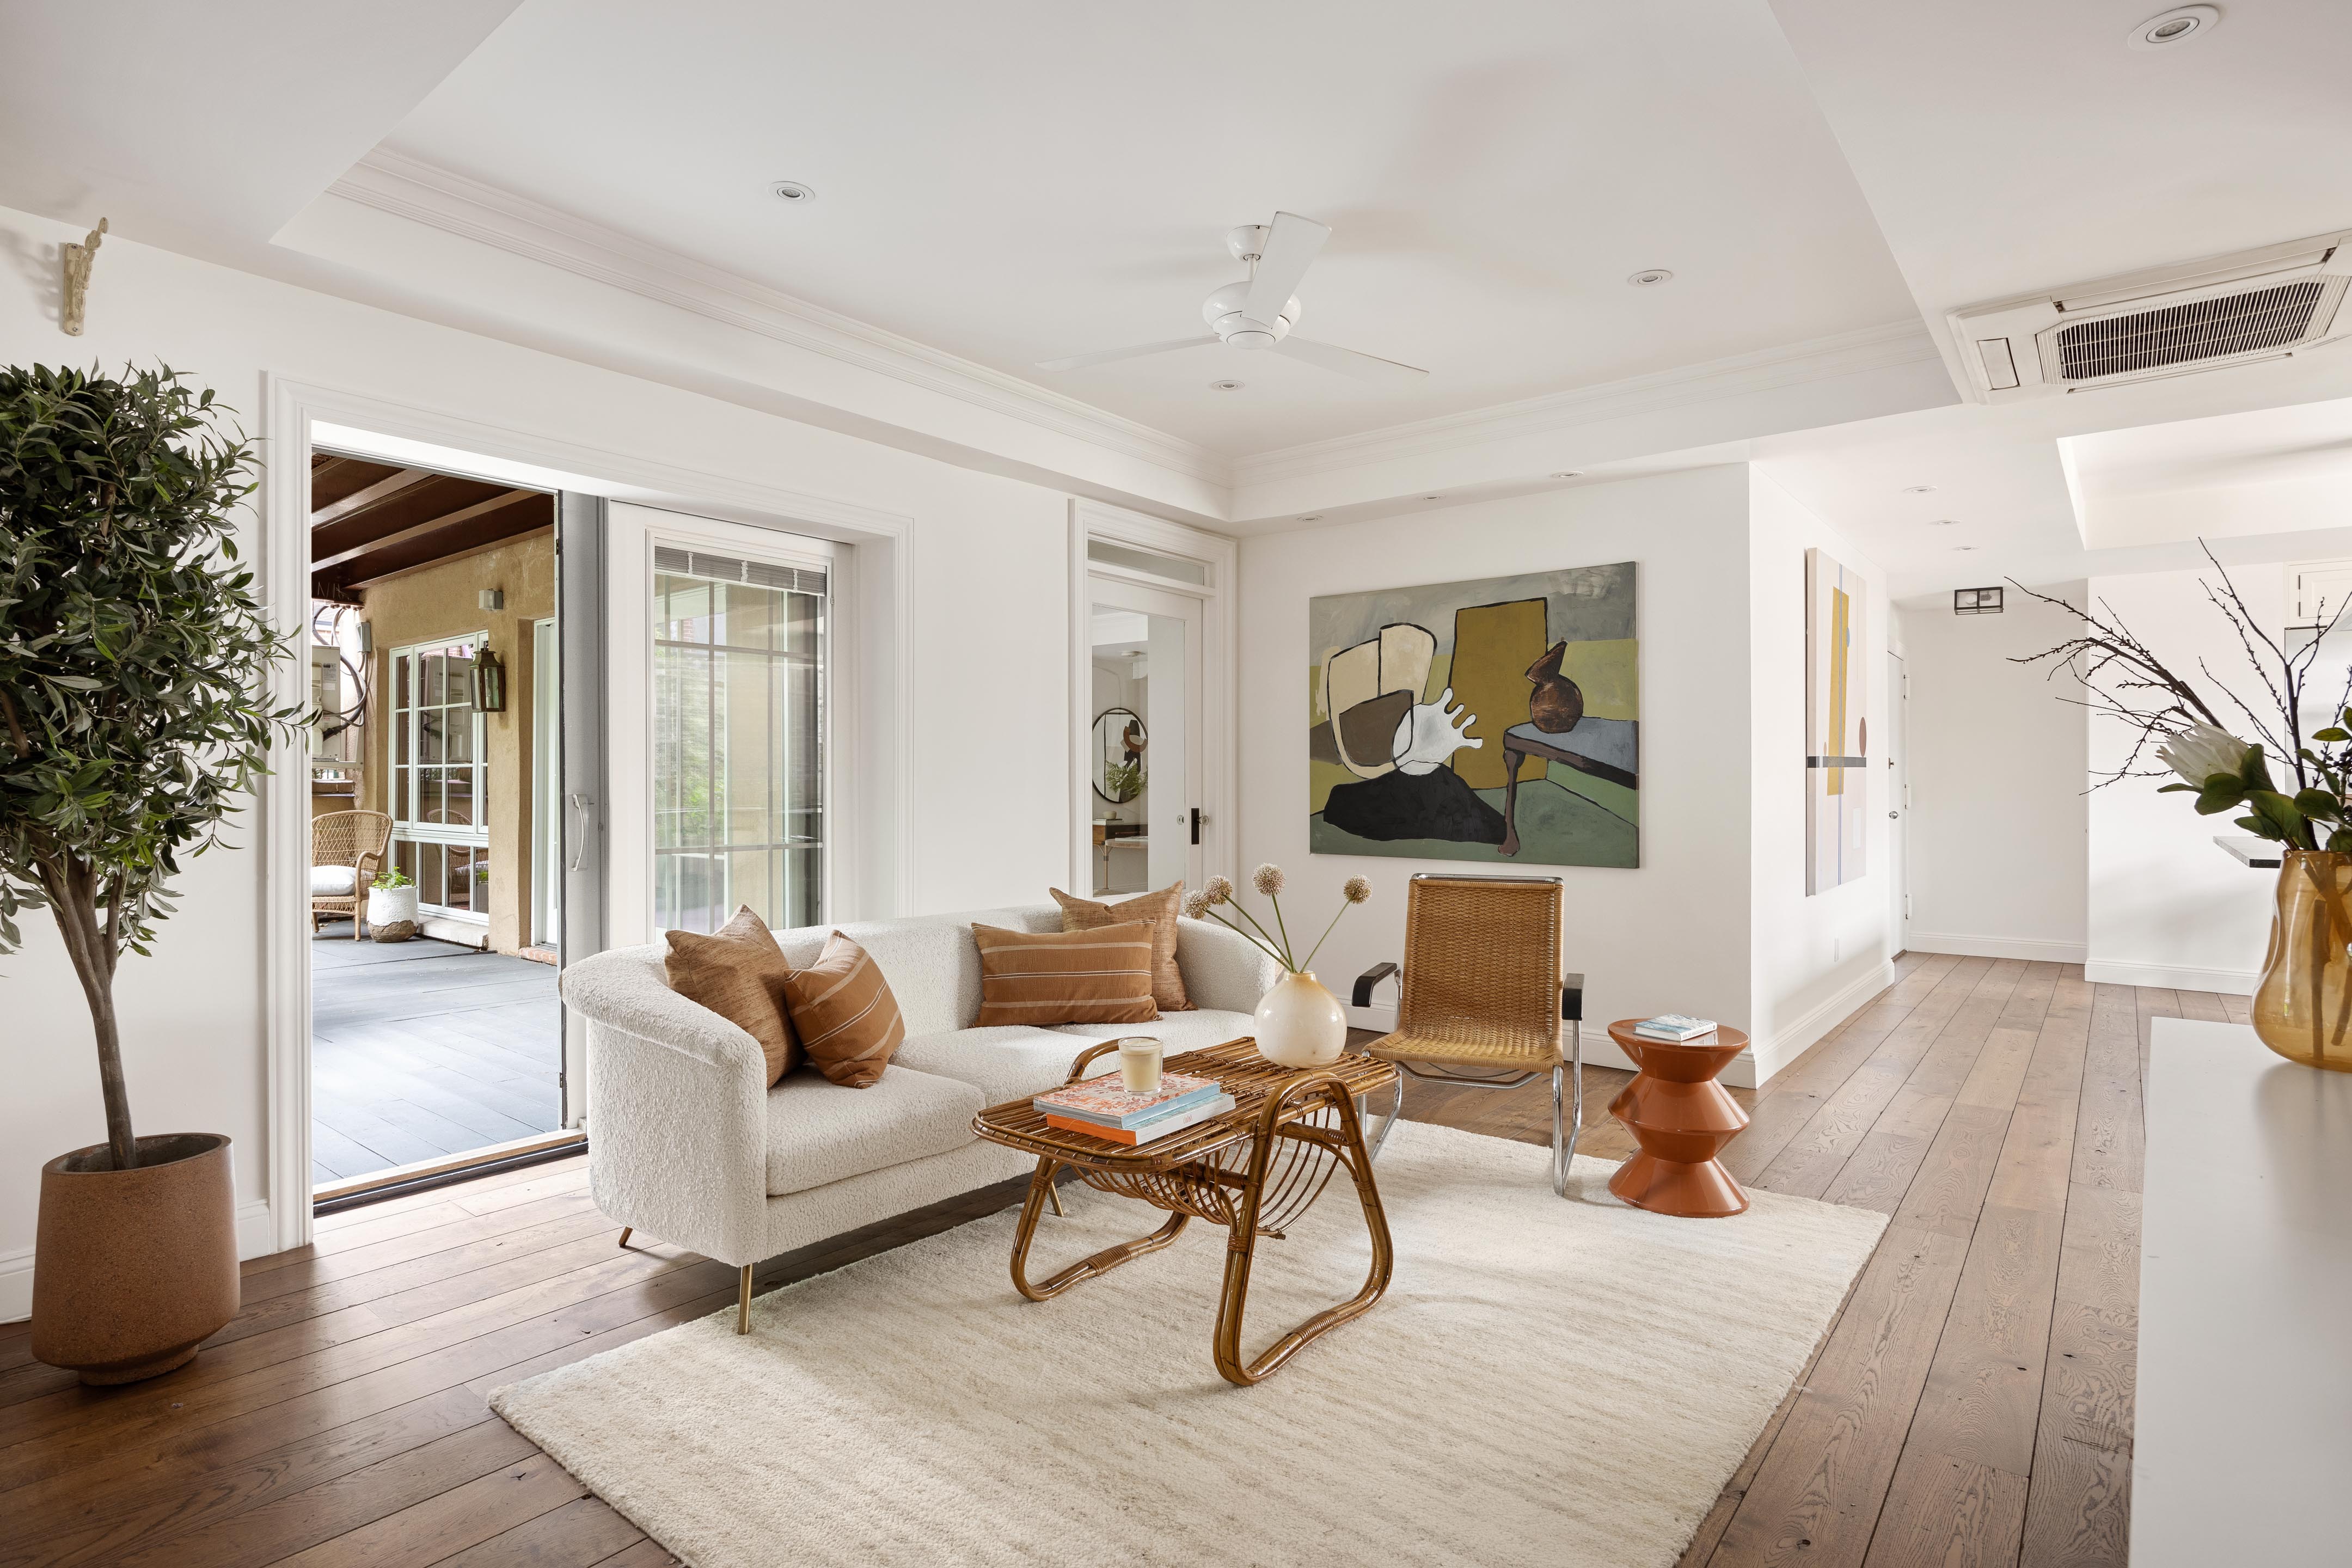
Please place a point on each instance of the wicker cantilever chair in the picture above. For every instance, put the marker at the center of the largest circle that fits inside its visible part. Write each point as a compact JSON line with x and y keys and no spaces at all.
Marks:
{"x":356,"y":839}
{"x":1481,"y":998}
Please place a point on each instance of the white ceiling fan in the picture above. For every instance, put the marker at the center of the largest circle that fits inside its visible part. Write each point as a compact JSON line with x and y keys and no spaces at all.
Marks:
{"x":1260,"y":312}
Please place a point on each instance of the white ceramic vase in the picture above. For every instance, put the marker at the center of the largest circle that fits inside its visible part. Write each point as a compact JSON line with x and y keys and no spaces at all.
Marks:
{"x":391,"y":905}
{"x":1299,"y":1024}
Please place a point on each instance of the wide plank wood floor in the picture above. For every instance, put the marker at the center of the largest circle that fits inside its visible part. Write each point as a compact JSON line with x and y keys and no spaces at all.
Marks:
{"x":1971,"y":1404}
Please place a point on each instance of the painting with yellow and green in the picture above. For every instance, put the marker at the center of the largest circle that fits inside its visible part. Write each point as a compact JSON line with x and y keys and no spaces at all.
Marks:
{"x":1493,"y":720}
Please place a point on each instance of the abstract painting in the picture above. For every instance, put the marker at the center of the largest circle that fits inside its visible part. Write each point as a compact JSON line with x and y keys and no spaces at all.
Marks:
{"x":1837,"y":734}
{"x":1495,"y":721}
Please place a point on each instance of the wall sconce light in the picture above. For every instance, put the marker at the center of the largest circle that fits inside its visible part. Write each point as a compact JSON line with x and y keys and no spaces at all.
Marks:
{"x":492,"y":598}
{"x":367,"y":637}
{"x":1976,"y":601}
{"x":489,"y":679}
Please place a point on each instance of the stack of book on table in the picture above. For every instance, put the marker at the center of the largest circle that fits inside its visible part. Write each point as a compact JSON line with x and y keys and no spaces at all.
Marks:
{"x":1674,"y":1026}
{"x":1103,"y":1107}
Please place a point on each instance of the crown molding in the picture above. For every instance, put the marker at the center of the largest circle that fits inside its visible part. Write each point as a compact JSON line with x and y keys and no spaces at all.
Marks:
{"x":426,"y":193}
{"x":1789,"y":364}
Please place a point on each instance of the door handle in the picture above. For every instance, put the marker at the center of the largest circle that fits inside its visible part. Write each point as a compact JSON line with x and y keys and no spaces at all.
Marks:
{"x":584,"y":806}
{"x":1196,"y":825}
{"x":1894,"y":814}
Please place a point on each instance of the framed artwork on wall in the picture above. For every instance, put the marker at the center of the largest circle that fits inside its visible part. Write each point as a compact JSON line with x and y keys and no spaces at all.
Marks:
{"x":1837,"y":732}
{"x":1495,"y":721}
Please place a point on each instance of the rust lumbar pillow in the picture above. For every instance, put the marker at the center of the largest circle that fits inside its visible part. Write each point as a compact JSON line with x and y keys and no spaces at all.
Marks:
{"x":1160,"y":909}
{"x":842,"y":1011}
{"x":737,"y":973}
{"x":1097,"y":976}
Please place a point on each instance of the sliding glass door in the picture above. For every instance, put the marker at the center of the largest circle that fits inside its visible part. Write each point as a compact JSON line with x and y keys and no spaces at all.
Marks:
{"x":721,"y":673}
{"x":739,"y":739}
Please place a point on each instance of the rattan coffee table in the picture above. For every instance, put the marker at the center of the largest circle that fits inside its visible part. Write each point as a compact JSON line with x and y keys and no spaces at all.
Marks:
{"x":1253,"y":1170}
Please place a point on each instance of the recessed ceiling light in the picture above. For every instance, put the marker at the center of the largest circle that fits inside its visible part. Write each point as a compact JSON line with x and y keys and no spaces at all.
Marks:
{"x":1225,"y":386}
{"x":1432,"y":498}
{"x":1964,"y":547}
{"x":791,"y":191}
{"x":1310,"y":517}
{"x":2178,"y":26}
{"x":1943,"y":522}
{"x":1918,"y":489}
{"x":1650,"y":275}
{"x":1569,"y":474}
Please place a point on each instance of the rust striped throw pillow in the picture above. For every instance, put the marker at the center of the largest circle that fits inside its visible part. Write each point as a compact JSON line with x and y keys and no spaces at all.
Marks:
{"x":842,"y":1011}
{"x":1097,"y":976}
{"x":1160,"y":909}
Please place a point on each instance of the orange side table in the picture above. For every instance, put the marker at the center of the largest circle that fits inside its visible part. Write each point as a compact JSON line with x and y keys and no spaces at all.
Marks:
{"x":1682,"y":1118}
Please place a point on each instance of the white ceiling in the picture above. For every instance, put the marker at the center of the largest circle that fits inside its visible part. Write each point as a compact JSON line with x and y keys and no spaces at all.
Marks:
{"x":2016,"y":146}
{"x":183,"y":123}
{"x":1042,"y":177}
{"x":1016,"y":181}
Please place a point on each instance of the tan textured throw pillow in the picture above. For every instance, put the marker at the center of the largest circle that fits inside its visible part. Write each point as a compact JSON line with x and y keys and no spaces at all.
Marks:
{"x":737,"y":973}
{"x":842,"y":1011}
{"x":1097,"y":976}
{"x":1160,"y":909}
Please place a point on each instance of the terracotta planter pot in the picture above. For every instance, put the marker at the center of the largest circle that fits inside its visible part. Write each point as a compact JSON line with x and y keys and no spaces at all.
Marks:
{"x":134,"y":1269}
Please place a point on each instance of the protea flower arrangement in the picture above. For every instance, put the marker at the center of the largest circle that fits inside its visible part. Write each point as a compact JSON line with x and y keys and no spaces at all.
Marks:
{"x":1299,"y":1024}
{"x":2303,"y":1005}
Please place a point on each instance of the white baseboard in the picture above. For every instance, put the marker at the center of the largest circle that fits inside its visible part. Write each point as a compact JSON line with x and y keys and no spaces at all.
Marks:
{"x":2170,"y":977}
{"x":2033,"y":950}
{"x":254,"y":1239}
{"x":1754,"y":1067}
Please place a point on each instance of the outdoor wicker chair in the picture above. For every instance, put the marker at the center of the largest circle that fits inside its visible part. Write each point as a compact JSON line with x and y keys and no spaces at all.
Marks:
{"x":339,"y":841}
{"x":1481,"y":998}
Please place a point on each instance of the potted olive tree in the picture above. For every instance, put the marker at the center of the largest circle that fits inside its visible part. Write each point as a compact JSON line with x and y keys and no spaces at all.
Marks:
{"x":133,"y":720}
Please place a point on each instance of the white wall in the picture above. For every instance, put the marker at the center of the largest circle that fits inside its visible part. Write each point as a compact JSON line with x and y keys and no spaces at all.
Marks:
{"x":1672,"y":935}
{"x":2167,"y":906}
{"x":1817,"y":957}
{"x":989,"y":600}
{"x":1998,"y":819}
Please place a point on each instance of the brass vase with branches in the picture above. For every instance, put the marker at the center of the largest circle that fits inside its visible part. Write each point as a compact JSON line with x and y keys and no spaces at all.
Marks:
{"x":2303,"y":1003}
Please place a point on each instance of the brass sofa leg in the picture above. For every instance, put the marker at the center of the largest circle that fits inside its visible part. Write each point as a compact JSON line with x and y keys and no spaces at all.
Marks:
{"x":743,"y":1302}
{"x":624,"y":1236}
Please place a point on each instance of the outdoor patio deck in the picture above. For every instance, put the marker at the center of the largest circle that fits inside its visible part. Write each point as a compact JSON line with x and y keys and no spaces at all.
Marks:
{"x":421,"y":1049}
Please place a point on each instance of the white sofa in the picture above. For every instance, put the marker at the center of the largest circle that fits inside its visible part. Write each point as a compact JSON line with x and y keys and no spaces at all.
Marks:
{"x":687,"y":1143}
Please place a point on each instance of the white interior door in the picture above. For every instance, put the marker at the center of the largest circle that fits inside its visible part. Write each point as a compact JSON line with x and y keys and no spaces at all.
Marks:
{"x":1143,"y":744}
{"x":723,"y":656}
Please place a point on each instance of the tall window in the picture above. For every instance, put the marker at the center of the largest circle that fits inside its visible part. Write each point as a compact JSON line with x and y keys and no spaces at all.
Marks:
{"x":441,"y":834}
{"x":738,"y":737}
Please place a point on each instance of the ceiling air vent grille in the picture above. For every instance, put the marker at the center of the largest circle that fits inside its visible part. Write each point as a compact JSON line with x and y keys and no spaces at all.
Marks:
{"x":2185,"y":320}
{"x":2182,"y":334}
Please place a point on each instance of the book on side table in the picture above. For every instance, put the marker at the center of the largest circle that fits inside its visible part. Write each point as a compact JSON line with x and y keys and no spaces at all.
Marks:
{"x":1676,"y":1027}
{"x":1107,"y":1109}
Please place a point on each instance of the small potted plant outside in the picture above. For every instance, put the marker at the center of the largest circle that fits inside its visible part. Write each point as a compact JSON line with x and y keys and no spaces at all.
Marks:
{"x":1299,"y":1023}
{"x":392,"y":904}
{"x":134,"y":721}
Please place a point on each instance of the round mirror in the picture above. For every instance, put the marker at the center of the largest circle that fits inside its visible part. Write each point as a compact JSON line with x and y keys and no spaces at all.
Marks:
{"x":1120,"y":743}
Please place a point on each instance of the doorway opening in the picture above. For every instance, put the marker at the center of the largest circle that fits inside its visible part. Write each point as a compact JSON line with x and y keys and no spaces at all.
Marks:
{"x":437,"y":1033}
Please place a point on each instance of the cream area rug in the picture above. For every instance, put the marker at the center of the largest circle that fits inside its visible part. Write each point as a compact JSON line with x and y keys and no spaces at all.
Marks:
{"x":1546,"y":1382}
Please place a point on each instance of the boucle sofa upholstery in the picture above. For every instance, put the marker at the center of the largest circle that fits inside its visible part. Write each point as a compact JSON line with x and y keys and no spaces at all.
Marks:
{"x":688,"y":1143}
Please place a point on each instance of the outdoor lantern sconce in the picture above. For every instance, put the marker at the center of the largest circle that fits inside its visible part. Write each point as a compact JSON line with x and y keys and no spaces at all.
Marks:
{"x":489,"y":679}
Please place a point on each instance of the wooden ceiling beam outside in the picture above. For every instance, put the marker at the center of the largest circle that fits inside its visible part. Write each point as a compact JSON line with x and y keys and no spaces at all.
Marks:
{"x":322,"y":556}
{"x":492,"y":525}
{"x":334,"y":476}
{"x":430,"y":499}
{"x":365,"y":496}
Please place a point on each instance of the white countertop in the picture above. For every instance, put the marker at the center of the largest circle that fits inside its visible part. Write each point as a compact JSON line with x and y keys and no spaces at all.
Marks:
{"x":2241,"y":1451}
